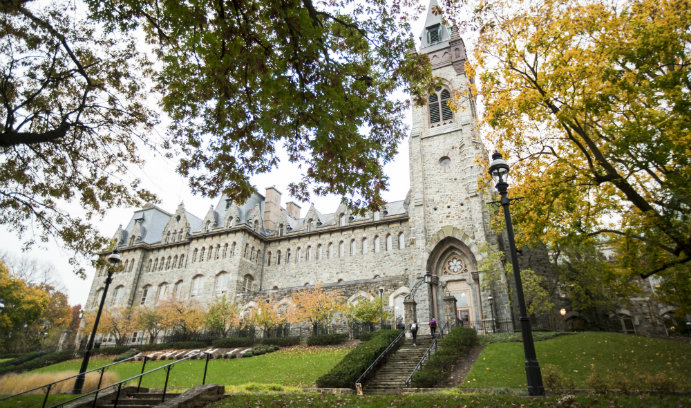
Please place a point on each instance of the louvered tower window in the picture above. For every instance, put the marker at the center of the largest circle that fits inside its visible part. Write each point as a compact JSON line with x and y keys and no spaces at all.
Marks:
{"x":439,"y":107}
{"x":434,"y":34}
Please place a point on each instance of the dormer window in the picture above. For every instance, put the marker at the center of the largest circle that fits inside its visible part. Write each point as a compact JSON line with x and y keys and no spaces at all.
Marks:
{"x":434,"y":34}
{"x":439,"y":109}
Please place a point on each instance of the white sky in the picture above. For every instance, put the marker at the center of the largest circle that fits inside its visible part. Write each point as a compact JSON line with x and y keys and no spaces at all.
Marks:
{"x":159,"y":176}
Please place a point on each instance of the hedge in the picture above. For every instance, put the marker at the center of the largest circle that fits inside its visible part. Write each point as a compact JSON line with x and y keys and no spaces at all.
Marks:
{"x":127,"y":354}
{"x":38,"y":362}
{"x":452,"y":347}
{"x":111,"y":351}
{"x":281,"y":341}
{"x":344,"y":374}
{"x":230,"y":342}
{"x":327,"y":339}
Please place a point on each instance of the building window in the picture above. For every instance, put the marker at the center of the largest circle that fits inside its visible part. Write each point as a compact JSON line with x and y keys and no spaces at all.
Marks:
{"x":182,"y":258}
{"x":330,"y":252}
{"x":342,"y":220}
{"x":353,"y":248}
{"x":278,"y":257}
{"x":280,"y":230}
{"x":160,"y":265}
{"x":268,"y":259}
{"x":434,"y":34}
{"x":162,"y":291}
{"x":377,"y":243}
{"x":150,"y":265}
{"x":247,"y":248}
{"x":319,"y":252}
{"x":341,"y":249}
{"x":177,"y":289}
{"x":201,"y":254}
{"x":194,"y":255}
{"x":155,"y":264}
{"x":145,"y":294}
{"x":218,"y":250}
{"x":308,"y":255}
{"x":256,"y":225}
{"x":247,"y":283}
{"x":389,"y":242}
{"x":401,"y":241}
{"x":232,"y":249}
{"x":298,"y":255}
{"x":117,"y":295}
{"x":168,"y":263}
{"x":175,"y":261}
{"x":196,"y":286}
{"x":364,"y":246}
{"x":225,"y":251}
{"x":439,"y":108}
{"x":287,"y":256}
{"x":259,"y":255}
{"x":221,"y":284}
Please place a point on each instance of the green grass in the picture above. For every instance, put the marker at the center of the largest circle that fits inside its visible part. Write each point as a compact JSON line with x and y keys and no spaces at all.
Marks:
{"x":434,"y":400}
{"x":611,"y":355}
{"x":33,"y":401}
{"x":517,"y":337}
{"x":297,"y":368}
{"x":2,"y":360}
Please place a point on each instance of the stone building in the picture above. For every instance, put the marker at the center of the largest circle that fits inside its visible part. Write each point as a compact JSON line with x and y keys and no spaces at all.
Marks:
{"x":264,"y":248}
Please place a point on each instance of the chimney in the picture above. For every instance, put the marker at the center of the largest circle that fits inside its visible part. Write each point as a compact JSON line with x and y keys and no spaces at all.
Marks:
{"x":293,"y":209}
{"x":272,"y":208}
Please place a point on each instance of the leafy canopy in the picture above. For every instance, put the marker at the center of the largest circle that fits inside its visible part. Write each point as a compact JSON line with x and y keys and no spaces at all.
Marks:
{"x":243,"y":80}
{"x":591,"y":101}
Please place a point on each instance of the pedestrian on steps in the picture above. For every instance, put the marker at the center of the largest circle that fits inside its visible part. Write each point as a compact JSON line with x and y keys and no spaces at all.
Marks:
{"x":433,"y":326}
{"x":413,"y":331}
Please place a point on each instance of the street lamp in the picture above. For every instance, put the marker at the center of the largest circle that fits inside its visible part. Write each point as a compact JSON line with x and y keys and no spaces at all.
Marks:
{"x":562,"y":312}
{"x":490,"y":299}
{"x":114,"y":260}
{"x":381,"y":308}
{"x":498,"y":169}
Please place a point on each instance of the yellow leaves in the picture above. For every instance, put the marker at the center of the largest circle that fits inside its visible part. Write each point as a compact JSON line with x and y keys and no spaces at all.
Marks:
{"x":314,"y":305}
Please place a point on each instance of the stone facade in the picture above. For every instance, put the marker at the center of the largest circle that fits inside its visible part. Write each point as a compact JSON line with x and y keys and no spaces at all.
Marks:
{"x":261,"y":248}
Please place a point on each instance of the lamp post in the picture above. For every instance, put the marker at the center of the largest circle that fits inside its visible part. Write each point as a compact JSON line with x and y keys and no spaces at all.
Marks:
{"x":498,"y":169}
{"x":381,"y":308}
{"x":490,"y":299}
{"x":114,"y":260}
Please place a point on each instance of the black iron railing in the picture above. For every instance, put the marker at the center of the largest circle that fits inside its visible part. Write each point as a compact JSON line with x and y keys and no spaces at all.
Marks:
{"x":50,"y":386}
{"x":380,"y":358}
{"x":138,"y":377}
{"x":431,"y":350}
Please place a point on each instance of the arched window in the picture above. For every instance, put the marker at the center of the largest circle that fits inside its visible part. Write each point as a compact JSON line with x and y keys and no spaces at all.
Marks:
{"x":252,"y":254}
{"x":389,"y":242}
{"x":145,"y":294}
{"x":177,"y":289}
{"x":168,"y":263}
{"x":342,"y":220}
{"x":278,"y":257}
{"x":162,"y":292}
{"x":117,"y":295}
{"x":319,"y":252}
{"x":310,"y":225}
{"x":151,"y":262}
{"x":211,"y":253}
{"x":225,"y":251}
{"x":247,"y":281}
{"x":160,"y":264}
{"x":268,"y":258}
{"x":97,"y":298}
{"x":341,"y":249}
{"x":201,"y":254}
{"x":196,"y":286}
{"x":221,"y":284}
{"x":353,"y":248}
{"x":182,"y":258}
{"x":194,"y":255}
{"x":364,"y":246}
{"x":298,"y":255}
{"x":156,"y":264}
{"x":287,"y":256}
{"x":330,"y":252}
{"x":218,"y":250}
{"x":308,"y":255}
{"x":180,"y":235}
{"x":258,"y":258}
{"x":247,"y":248}
{"x":401,"y":241}
{"x":232,"y":249}
{"x":175,"y":261}
{"x":439,"y":108}
{"x":377,"y":243}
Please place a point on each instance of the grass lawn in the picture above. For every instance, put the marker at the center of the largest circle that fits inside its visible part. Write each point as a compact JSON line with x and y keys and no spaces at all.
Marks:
{"x":298,"y":368}
{"x":433,"y":400}
{"x":611,"y":355}
{"x":33,"y":401}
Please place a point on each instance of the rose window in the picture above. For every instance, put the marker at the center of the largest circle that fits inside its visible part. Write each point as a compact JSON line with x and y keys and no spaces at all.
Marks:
{"x":455,"y":266}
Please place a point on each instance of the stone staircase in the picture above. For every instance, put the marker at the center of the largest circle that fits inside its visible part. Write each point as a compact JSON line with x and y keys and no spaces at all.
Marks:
{"x":390,"y":378}
{"x":136,"y":400}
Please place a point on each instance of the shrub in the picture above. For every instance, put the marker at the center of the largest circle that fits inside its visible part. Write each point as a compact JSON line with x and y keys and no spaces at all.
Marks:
{"x":127,"y":354}
{"x":455,"y":345}
{"x":42,"y":361}
{"x":15,"y":383}
{"x":20,"y":359}
{"x":555,"y":381}
{"x":231,"y":342}
{"x":598,"y":383}
{"x":344,"y":374}
{"x":281,"y":341}
{"x":327,"y":339}
{"x":366,"y":336}
{"x":154,"y":347}
{"x":189,"y":345}
{"x":111,"y":351}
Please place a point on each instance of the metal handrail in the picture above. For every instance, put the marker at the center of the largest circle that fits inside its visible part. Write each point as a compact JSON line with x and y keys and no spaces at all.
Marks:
{"x":50,"y":385}
{"x":358,"y":382}
{"x":119,"y":384}
{"x":427,"y":354}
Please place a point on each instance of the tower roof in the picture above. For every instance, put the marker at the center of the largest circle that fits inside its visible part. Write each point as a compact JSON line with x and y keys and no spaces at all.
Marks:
{"x":435,"y":35}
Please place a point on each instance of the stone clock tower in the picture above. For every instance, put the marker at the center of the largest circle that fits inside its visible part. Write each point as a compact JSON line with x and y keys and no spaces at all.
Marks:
{"x":448,"y":214}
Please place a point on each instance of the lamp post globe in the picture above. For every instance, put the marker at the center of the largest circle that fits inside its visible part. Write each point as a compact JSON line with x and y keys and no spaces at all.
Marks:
{"x":499,"y":169}
{"x":114,"y":260}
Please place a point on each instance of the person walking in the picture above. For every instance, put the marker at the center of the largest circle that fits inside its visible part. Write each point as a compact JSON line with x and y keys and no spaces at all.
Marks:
{"x":413,"y":331}
{"x":433,"y":326}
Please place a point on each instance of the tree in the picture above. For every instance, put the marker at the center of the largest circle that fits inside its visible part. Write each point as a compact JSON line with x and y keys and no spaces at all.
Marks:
{"x":591,"y":99}
{"x":241,"y":79}
{"x":184,"y":319}
{"x":73,"y":117}
{"x":314,"y":306}
{"x":150,"y":320}
{"x":367,"y":310}
{"x":222,"y":315}
{"x":120,"y":323}
{"x":268,"y":316}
